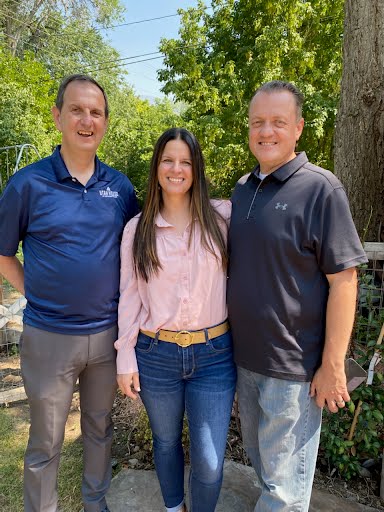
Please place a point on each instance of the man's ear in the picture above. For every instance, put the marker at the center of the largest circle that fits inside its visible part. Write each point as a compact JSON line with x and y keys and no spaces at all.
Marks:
{"x":56,"y":117}
{"x":299,"y":128}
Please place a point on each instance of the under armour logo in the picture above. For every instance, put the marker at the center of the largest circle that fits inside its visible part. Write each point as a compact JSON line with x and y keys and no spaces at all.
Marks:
{"x":280,"y":206}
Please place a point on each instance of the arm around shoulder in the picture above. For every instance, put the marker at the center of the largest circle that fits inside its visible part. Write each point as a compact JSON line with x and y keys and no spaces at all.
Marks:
{"x":223,"y":207}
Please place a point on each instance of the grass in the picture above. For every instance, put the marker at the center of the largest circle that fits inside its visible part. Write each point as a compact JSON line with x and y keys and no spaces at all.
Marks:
{"x":13,"y":440}
{"x":13,"y":437}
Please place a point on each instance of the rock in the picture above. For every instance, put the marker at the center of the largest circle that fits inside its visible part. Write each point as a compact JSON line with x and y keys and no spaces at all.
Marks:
{"x":369,"y":463}
{"x":12,"y":379}
{"x":133,"y":462}
{"x":363,"y":472}
{"x":140,"y":455}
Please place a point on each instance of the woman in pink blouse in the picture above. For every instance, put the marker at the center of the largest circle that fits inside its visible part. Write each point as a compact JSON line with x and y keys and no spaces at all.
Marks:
{"x":174,"y":345}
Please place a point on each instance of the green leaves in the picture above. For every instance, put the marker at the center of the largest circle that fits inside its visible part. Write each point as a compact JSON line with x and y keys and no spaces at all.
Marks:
{"x":219,"y":60}
{"x":134,"y":127}
{"x":32,"y":24}
{"x":367,"y":442}
{"x":25,"y":101}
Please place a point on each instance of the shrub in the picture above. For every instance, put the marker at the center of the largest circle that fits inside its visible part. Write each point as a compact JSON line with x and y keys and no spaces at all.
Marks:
{"x":336,"y":450}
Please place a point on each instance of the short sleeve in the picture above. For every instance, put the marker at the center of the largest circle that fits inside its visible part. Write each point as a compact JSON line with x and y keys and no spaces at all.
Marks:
{"x":13,"y":220}
{"x":337,"y":243}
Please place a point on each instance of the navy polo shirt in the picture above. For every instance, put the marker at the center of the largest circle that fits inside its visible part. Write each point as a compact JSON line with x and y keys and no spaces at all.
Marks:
{"x":71,"y":237}
{"x":286,"y":233}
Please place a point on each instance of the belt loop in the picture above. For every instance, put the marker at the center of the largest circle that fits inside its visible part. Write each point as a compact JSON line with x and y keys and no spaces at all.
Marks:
{"x":156,"y":338}
{"x":206,"y":336}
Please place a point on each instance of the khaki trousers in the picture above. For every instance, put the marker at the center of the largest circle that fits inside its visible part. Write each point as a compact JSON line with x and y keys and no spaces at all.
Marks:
{"x":51,"y":363}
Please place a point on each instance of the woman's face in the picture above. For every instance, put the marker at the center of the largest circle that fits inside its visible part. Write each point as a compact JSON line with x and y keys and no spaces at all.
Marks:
{"x":175,"y":173}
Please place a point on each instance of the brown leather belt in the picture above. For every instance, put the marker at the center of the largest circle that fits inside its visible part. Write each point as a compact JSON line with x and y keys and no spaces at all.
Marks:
{"x":187,"y":338}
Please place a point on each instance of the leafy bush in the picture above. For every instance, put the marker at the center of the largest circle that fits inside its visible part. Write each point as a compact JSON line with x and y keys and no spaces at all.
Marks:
{"x":336,"y":450}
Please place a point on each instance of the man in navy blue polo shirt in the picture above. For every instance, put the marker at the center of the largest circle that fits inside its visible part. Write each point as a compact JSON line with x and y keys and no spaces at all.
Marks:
{"x":69,"y":211}
{"x":291,"y":299}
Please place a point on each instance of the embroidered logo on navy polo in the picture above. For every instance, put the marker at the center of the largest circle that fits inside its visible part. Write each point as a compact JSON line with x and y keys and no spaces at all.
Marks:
{"x":108,"y":193}
{"x":280,"y":206}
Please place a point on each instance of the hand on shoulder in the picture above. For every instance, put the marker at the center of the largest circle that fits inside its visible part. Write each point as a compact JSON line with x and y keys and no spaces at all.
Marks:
{"x":223,"y":207}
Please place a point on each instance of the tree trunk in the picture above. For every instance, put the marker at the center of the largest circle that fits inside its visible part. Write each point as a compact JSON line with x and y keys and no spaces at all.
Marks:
{"x":359,"y":135}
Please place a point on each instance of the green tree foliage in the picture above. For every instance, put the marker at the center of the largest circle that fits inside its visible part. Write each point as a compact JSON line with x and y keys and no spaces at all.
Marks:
{"x":27,"y":93}
{"x":223,"y":55}
{"x":46,"y":40}
{"x":336,"y":450}
{"x":75,"y":46}
{"x":30,"y":22}
{"x":25,"y":101}
{"x":63,"y":35}
{"x":59,"y":38}
{"x":134,"y":127}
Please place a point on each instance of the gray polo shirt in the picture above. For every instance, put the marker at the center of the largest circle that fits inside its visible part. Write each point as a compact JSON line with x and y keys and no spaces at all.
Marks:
{"x":287,"y":232}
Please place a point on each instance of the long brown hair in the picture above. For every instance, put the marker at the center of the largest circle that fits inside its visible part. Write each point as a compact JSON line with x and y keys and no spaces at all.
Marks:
{"x":145,"y":256}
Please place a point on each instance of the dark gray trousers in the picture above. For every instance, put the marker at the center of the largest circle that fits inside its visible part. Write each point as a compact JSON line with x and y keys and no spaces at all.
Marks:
{"x":51,"y":363}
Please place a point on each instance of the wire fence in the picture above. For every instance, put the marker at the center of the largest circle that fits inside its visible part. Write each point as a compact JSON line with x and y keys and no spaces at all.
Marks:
{"x":11,"y":306}
{"x":13,"y":158}
{"x":370,"y":316}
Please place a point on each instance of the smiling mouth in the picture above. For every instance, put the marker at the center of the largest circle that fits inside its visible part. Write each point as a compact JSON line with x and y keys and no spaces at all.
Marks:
{"x":267,"y":143}
{"x":176,"y":180}
{"x":85,"y":134}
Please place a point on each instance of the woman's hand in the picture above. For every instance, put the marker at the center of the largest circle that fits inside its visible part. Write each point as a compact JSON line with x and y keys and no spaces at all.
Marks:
{"x":129,"y":384}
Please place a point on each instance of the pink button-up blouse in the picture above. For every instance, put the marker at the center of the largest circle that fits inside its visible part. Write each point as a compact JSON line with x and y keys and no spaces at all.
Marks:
{"x":188,"y":293}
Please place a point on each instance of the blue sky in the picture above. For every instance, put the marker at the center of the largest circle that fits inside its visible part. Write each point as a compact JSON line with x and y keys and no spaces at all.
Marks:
{"x":138,"y":39}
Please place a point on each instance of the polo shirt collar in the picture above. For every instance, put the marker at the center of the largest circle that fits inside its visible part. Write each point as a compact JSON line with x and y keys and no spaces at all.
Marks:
{"x":285,"y":171}
{"x":63,"y":174}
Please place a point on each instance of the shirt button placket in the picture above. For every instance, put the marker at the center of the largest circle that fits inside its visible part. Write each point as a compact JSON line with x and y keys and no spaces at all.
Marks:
{"x":185,"y":288}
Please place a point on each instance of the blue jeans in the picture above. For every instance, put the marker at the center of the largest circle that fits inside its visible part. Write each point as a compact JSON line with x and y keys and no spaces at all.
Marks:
{"x":201,"y":380}
{"x":281,"y":425}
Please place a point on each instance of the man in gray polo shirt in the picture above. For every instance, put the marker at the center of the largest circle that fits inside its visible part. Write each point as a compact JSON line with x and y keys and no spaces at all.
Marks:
{"x":291,"y":299}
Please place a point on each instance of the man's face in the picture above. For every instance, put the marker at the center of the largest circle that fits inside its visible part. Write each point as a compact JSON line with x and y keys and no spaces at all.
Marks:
{"x":81,"y":120}
{"x":274,"y":129}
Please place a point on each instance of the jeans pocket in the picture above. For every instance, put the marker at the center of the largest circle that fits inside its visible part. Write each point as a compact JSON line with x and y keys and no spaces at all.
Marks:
{"x":221,"y":343}
{"x":144,"y":343}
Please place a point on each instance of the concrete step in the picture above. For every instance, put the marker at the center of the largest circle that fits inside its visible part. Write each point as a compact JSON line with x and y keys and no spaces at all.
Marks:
{"x":137,"y":490}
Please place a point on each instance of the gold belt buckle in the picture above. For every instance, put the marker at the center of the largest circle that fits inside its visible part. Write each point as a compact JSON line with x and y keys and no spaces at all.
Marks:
{"x":186,"y":343}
